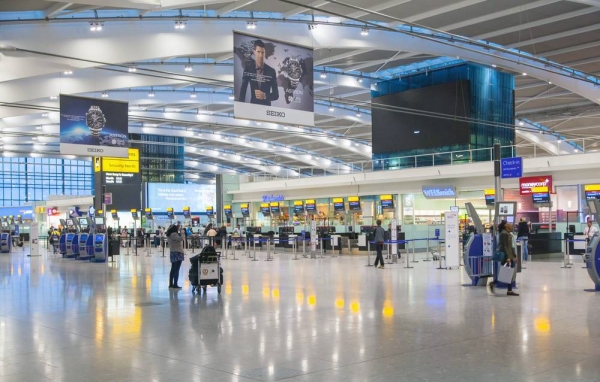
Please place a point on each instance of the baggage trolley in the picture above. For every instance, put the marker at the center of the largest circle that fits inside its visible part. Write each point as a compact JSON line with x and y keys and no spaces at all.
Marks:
{"x":206,"y":270}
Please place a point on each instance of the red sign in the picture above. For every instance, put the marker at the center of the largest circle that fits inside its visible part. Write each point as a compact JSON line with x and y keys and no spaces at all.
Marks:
{"x":529,"y":182}
{"x":53,"y":211}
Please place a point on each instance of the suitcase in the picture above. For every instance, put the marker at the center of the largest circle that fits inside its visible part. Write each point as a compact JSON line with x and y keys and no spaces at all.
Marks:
{"x":394,"y":258}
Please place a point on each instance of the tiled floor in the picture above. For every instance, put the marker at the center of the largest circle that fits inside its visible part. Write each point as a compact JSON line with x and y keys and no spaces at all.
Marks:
{"x":328,"y":319}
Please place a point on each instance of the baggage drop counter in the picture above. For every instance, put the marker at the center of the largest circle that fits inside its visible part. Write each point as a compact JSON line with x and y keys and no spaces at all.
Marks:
{"x":543,"y":241}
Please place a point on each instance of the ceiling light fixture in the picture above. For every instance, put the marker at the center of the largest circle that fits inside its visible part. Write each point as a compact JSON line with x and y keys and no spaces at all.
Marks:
{"x":312,"y":27}
{"x":524,"y":74}
{"x":364,"y":32}
{"x":45,"y":114}
{"x":231,"y":97}
{"x":68,"y":72}
{"x":53,"y":97}
{"x":193,"y":95}
{"x":358,"y":114}
{"x":494,"y":65}
{"x":416,"y":131}
{"x":331,"y":108}
{"x":359,"y":79}
{"x":559,"y":141}
{"x":96,"y":26}
{"x":104,"y":95}
{"x":180,"y":24}
{"x":251,"y":25}
{"x":188,"y":68}
{"x":132,"y":69}
{"x":521,"y":123}
{"x":151,"y":93}
{"x":323,"y":75}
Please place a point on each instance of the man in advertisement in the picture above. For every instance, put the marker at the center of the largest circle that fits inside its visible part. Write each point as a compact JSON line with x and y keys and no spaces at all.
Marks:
{"x":261,"y":77}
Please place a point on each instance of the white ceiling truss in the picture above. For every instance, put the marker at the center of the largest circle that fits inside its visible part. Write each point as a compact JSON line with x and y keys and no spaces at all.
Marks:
{"x":40,"y":40}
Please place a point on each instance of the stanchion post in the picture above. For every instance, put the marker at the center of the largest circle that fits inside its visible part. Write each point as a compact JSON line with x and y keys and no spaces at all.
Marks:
{"x":407,"y":254}
{"x":294,"y":248}
{"x":148,"y":254}
{"x":254,"y":257}
{"x":427,"y":249}
{"x":368,"y":254}
{"x":413,"y":252}
{"x":566,"y":255}
{"x":268,"y":250}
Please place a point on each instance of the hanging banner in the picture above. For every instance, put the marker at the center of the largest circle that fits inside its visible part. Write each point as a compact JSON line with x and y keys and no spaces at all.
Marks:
{"x":273,"y":80}
{"x":526,"y":184}
{"x":92,"y":127}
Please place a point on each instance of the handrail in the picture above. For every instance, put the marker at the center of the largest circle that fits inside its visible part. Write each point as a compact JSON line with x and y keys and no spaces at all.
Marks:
{"x":457,"y":157}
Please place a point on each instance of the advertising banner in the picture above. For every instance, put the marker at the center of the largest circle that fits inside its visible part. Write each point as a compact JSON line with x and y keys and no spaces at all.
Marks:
{"x":273,"y":80}
{"x":526,"y":184}
{"x":93,"y":127}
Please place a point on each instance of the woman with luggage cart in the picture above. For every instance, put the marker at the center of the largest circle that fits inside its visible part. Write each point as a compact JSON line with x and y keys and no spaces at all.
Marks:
{"x":175,"y":240}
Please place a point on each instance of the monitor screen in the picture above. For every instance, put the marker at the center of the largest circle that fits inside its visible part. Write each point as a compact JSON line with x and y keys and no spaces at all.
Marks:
{"x":311,"y":207}
{"x":4,"y":224}
{"x":265,"y":211}
{"x":99,"y":239}
{"x":69,"y":222}
{"x":299,"y":208}
{"x":70,"y":237}
{"x":228,"y":212}
{"x":245,"y":211}
{"x":99,"y":221}
{"x":510,"y":219}
{"x":275,"y":210}
{"x":83,"y":222}
{"x":589,"y":195}
{"x":540,"y":197}
{"x":115,"y":215}
{"x":186,"y":213}
{"x":387,"y":203}
{"x":170,"y":214}
{"x":354,"y":205}
{"x":339,"y":205}
{"x":490,"y":200}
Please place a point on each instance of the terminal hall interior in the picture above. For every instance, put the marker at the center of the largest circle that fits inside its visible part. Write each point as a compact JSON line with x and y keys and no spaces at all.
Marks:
{"x":299,"y":190}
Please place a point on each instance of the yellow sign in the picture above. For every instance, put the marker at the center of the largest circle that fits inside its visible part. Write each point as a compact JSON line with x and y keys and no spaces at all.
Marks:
{"x":489,"y":191}
{"x":338,"y":200}
{"x":97,"y":164}
{"x":209,"y":208}
{"x":310,"y":201}
{"x":227,"y":207}
{"x":265,"y":205}
{"x":99,"y":212}
{"x":148,"y":210}
{"x":41,"y":210}
{"x":298,"y":203}
{"x":274,"y":204}
{"x":354,"y":199}
{"x":133,"y":210}
{"x":591,"y":187}
{"x":244,"y":205}
{"x":129,"y":165}
{"x":539,"y":189}
{"x":186,"y":208}
{"x":383,"y":197}
{"x":169,"y":209}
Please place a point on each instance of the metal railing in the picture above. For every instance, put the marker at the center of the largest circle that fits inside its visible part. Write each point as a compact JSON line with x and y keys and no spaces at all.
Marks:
{"x":525,"y":150}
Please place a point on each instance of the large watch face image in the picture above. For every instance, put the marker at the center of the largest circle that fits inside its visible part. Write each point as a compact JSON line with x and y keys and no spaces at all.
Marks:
{"x":95,"y":120}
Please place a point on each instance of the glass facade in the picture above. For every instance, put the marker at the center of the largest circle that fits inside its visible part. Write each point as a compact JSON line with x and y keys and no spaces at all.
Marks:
{"x":27,"y":180}
{"x":492,"y":109}
{"x":162,"y":162}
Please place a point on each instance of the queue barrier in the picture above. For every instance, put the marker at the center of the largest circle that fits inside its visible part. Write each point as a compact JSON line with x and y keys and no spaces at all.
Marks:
{"x":567,"y":256}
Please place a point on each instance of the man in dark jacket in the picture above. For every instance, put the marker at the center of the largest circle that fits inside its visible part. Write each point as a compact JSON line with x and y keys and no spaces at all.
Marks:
{"x":261,"y":77}
{"x":379,"y":239}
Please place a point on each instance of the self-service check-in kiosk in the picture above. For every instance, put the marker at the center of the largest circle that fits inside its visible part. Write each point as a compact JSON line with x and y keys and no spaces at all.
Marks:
{"x":5,"y":239}
{"x":86,"y":225}
{"x":72,"y":238}
{"x":592,"y":254}
{"x":97,"y":241}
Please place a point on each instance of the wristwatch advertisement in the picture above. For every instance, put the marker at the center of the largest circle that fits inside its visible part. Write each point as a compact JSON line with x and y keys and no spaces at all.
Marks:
{"x":93,"y":127}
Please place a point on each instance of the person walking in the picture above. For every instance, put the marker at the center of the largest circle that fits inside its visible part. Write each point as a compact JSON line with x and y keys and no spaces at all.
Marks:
{"x":505,"y":245}
{"x":379,"y":238}
{"x":523,"y":237}
{"x":175,"y":240}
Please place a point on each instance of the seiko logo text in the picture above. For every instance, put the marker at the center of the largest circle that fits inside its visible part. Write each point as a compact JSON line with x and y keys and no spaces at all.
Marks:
{"x":279,"y":114}
{"x":95,"y":150}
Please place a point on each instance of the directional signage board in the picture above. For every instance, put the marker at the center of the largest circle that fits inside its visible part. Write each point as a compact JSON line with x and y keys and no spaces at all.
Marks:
{"x":511,"y":167}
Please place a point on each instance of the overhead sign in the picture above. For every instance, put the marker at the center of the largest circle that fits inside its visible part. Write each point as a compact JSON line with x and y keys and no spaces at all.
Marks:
{"x":273,"y":80}
{"x":526,"y":184}
{"x":511,"y":167}
{"x":438,"y":192}
{"x":354,"y":203}
{"x":245,"y":208}
{"x":93,"y":127}
{"x":131,"y":164}
{"x":387,"y":201}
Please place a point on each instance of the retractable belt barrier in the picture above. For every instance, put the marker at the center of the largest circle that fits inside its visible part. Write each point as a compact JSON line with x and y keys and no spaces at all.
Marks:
{"x":567,"y":256}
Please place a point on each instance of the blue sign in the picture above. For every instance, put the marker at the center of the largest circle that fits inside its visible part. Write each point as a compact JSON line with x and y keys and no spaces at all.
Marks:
{"x":437,"y":232}
{"x":511,"y":167}
{"x":438,"y":192}
{"x":272,"y":198}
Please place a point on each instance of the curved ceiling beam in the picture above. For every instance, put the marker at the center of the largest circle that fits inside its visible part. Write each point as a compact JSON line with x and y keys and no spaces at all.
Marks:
{"x":124,"y":42}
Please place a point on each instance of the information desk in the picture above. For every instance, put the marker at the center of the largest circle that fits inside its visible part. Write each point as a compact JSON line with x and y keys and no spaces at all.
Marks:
{"x":545,"y":242}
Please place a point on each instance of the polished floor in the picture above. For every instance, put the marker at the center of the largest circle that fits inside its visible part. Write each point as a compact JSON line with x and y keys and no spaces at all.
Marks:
{"x":329,"y":319}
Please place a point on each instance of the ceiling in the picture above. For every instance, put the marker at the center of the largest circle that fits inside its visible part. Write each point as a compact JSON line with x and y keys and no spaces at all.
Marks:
{"x":41,"y":40}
